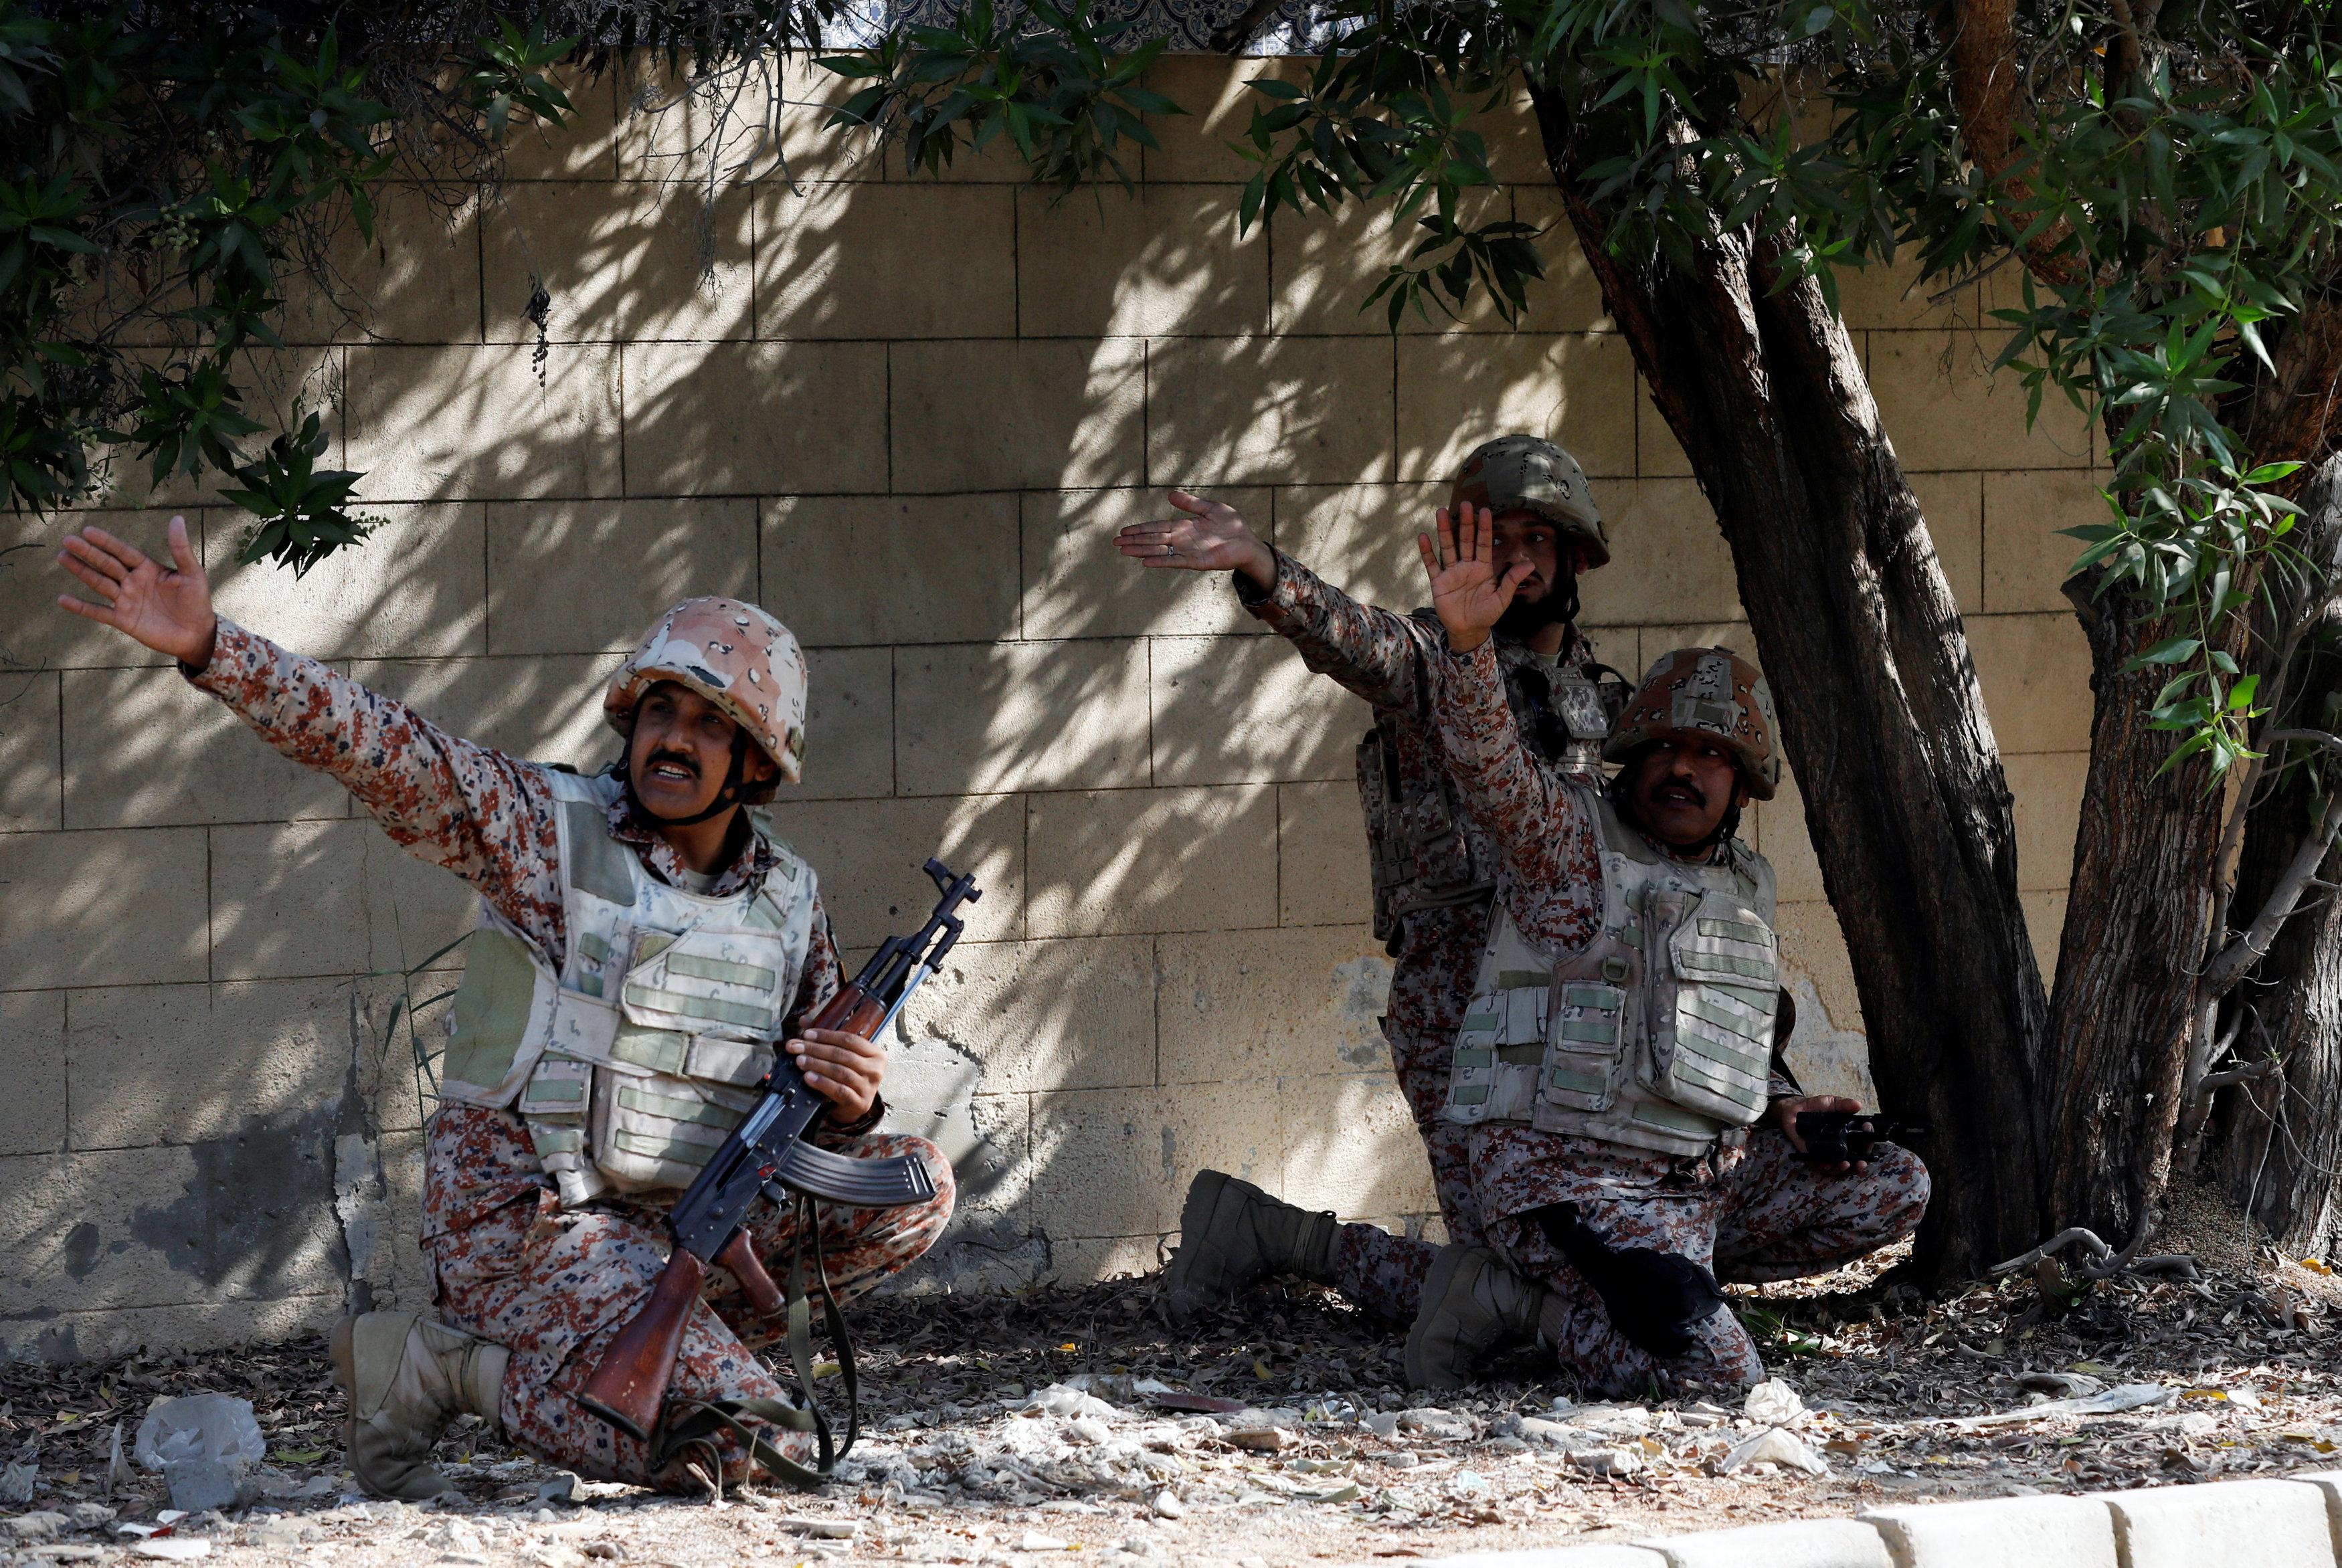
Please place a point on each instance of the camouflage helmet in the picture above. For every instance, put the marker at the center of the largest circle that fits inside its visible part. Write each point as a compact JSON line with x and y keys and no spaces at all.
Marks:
{"x":1705,"y":691}
{"x":1533,"y":474}
{"x":735,"y":655}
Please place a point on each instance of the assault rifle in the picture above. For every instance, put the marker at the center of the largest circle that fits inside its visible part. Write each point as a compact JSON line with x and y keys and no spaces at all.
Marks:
{"x":767,"y":1157}
{"x":1845,"y":1137}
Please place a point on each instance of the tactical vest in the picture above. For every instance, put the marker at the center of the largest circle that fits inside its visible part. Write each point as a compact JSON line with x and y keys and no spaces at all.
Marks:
{"x":1659,"y":1035}
{"x":1421,"y":853}
{"x":631,"y":1063}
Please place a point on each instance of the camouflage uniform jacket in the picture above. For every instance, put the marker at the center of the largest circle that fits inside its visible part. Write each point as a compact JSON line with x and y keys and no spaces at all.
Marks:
{"x":484,"y":815}
{"x":1396,"y":663}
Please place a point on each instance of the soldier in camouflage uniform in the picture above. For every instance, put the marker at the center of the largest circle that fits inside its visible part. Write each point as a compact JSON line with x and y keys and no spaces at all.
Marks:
{"x":644,"y":947}
{"x":1433,"y":869}
{"x":1632,"y":1131}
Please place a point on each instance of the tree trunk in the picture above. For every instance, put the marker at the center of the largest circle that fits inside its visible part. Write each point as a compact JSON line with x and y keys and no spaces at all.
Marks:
{"x":2136,"y":917}
{"x":2277,"y":1144}
{"x":1881,"y":716}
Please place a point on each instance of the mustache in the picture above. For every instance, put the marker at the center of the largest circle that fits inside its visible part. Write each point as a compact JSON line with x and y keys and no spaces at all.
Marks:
{"x":1698,"y":796}
{"x":688,"y":763}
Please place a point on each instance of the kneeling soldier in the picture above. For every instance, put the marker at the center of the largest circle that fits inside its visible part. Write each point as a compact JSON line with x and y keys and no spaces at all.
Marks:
{"x":643,"y":949}
{"x":1631,"y":1124}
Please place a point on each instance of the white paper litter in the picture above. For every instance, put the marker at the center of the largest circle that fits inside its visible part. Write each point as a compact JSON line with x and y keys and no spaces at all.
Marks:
{"x":173,"y":1548}
{"x":1775,"y":1403}
{"x":1779,"y":1447}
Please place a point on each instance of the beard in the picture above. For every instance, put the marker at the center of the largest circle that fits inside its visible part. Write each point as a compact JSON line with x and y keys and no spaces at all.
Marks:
{"x":1524,"y":618}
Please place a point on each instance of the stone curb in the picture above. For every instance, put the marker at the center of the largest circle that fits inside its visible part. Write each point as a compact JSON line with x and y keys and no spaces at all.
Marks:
{"x":2294,"y":1522}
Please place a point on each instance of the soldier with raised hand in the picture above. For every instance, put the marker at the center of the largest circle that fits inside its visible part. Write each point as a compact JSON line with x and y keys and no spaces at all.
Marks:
{"x":1434,"y":873}
{"x":1632,"y":1133}
{"x":644,"y":949}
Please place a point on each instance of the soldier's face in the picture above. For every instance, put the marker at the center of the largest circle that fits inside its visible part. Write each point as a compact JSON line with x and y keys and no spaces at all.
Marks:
{"x":1680,"y":789}
{"x":681,"y":752}
{"x":1523,"y":536}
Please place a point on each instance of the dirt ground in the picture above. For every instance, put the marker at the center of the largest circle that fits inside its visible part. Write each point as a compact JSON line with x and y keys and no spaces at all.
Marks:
{"x":1019,"y":1429}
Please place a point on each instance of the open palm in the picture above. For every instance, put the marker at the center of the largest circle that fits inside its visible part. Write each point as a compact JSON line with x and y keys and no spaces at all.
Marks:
{"x":1467,"y":590}
{"x":168,"y":608}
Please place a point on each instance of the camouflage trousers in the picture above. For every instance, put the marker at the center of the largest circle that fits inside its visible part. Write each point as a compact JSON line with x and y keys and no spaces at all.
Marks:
{"x":1764,"y":1214}
{"x":555,"y":1286}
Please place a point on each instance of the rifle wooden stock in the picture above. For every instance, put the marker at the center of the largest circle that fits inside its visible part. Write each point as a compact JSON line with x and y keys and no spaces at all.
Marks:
{"x":630,"y":1385}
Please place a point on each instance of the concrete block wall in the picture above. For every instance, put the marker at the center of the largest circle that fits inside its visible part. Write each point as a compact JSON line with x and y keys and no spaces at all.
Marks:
{"x":908,"y":415}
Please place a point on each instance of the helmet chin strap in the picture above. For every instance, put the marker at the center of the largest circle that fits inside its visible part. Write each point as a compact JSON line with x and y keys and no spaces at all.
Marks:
{"x":725,"y":798}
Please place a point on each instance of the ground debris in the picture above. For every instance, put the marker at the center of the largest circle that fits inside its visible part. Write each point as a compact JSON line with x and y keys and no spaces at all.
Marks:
{"x":1027,"y":1429}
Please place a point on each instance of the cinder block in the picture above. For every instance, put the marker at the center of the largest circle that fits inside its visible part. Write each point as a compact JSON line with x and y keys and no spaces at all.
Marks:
{"x":2048,"y":790}
{"x":414,"y":588}
{"x":849,"y":725}
{"x":145,"y":749}
{"x":867,"y":855}
{"x":990,"y":716}
{"x":1040,"y":1016}
{"x":1076,"y":584}
{"x":34,"y":634}
{"x":1669,"y":560}
{"x":583,"y":146}
{"x":322,"y":898}
{"x":892,"y":569}
{"x":2186,"y":1526}
{"x":2001,"y":1533}
{"x":766,"y":121}
{"x":1271,"y":1004}
{"x":1568,"y":298}
{"x":1118,"y":1162}
{"x":987,"y":1138}
{"x":378,"y":1189}
{"x":1350,"y":1145}
{"x":1813,"y":945}
{"x":248,"y":1217}
{"x":103,"y":908}
{"x":400,"y":1033}
{"x":1323,"y":877}
{"x":1893,"y":296}
{"x":545,"y":707}
{"x":1515,"y":144}
{"x":1121,"y":861}
{"x":33,"y":1061}
{"x":1219,"y":110}
{"x":1361,"y":538}
{"x":1459,"y":391}
{"x":1163,"y":259}
{"x":106,"y":1332}
{"x":1785,"y":838}
{"x":591,"y":576}
{"x":1952,"y":504}
{"x":150,"y":1064}
{"x":1238,"y":710}
{"x":416,"y":281}
{"x":472,"y":422}
{"x":2027,"y":559}
{"x":1015,"y":416}
{"x":1290,"y":410}
{"x":755,"y":418}
{"x":856,"y":259}
{"x":1956,"y":416}
{"x":280,"y":388}
{"x":31,"y":743}
{"x":1796,"y":1544}
{"x":1087,"y":1260}
{"x":2036,"y":675}
{"x":1329,"y":264}
{"x":626,"y":261}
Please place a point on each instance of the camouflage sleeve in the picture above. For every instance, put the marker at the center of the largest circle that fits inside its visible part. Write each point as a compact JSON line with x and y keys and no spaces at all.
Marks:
{"x":825,"y":971}
{"x":1373,"y":653}
{"x":1540,"y":823}
{"x":484,"y":815}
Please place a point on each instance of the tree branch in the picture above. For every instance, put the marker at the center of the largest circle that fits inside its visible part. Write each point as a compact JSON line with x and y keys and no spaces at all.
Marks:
{"x":2222,"y":973}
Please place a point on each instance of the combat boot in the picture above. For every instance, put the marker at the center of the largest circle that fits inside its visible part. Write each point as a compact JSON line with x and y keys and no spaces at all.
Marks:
{"x":1471,"y":1302}
{"x":407,"y":1376}
{"x":1232,"y":1233}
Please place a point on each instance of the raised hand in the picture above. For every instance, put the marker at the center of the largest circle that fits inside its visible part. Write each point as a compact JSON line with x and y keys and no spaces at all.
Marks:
{"x":1211,"y":538}
{"x":168,"y":608}
{"x":1465,"y":588}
